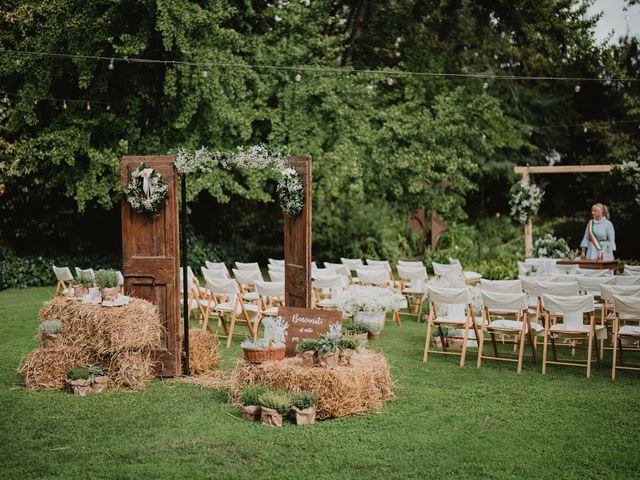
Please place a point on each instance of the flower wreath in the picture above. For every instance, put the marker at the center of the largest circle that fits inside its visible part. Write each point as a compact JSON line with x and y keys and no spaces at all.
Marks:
{"x":146,"y":191}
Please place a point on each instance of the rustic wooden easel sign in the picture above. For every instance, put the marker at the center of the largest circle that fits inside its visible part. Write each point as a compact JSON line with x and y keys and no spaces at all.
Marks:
{"x":151,"y":256}
{"x":527,"y":171}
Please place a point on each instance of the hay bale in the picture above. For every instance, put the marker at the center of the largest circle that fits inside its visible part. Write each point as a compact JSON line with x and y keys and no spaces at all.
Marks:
{"x":204,"y":351}
{"x":360,"y":388}
{"x":131,"y":370}
{"x":48,"y":367}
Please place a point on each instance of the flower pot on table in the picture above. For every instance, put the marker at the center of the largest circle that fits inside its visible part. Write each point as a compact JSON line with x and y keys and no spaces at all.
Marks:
{"x":109,"y":294}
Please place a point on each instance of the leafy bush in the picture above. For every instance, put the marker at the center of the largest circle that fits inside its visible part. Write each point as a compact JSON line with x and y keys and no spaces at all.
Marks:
{"x":96,"y":371}
{"x":328,"y":344}
{"x":356,"y":329}
{"x":307,"y":345}
{"x":348,"y":342}
{"x":107,"y":278}
{"x":279,"y":400}
{"x":304,"y":399}
{"x":83,"y":279}
{"x":79,"y":373}
{"x":549,"y":246}
{"x":251,"y":394}
{"x":50,"y":327}
{"x":366,"y":327}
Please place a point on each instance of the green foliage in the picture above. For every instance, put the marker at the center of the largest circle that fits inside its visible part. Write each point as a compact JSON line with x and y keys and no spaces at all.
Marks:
{"x":251,"y":393}
{"x":328,"y":344}
{"x":96,"y":371}
{"x":304,"y":399}
{"x":279,"y":400}
{"x":83,"y":279}
{"x":50,"y":327}
{"x":348,"y":342}
{"x":367,"y":327}
{"x":79,"y":373}
{"x":107,"y":278}
{"x":356,"y":328}
{"x":307,"y":345}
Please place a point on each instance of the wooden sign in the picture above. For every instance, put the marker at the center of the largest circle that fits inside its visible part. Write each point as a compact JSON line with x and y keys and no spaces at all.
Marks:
{"x":307,"y":323}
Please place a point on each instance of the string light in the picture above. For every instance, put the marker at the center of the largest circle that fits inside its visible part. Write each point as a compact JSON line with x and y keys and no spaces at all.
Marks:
{"x":64,"y":104}
{"x":111,"y":64}
{"x":485,"y":85}
{"x":17,"y":60}
{"x":391,"y":81}
{"x":298,"y":77}
{"x":88,"y":106}
{"x":205,"y":73}
{"x":577,"y":88}
{"x":108,"y":107}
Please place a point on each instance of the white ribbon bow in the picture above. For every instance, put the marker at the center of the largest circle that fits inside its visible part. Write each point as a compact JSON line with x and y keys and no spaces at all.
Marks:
{"x":146,"y":181}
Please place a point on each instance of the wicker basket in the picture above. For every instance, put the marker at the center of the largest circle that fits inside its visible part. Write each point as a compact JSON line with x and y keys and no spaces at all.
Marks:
{"x":255,"y":355}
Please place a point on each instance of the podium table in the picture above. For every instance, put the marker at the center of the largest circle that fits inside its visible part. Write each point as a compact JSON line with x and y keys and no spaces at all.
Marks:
{"x":591,"y":264}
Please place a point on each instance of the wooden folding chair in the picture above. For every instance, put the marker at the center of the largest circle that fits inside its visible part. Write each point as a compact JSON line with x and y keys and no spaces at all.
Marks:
{"x":507,"y":314}
{"x":271,"y":297}
{"x":332,"y":283}
{"x":627,"y":311}
{"x":627,"y":280}
{"x":276,"y":276}
{"x":501,"y":286}
{"x":275,"y":261}
{"x":608,"y":311}
{"x":247,"y":266}
{"x":459,"y":315}
{"x":235,"y":307}
{"x":247,"y":280}
{"x":342,"y":270}
{"x":571,"y":310}
{"x":385,"y":265}
{"x":217,"y":266}
{"x":469,"y":277}
{"x":413,"y":287}
{"x":64,"y":279}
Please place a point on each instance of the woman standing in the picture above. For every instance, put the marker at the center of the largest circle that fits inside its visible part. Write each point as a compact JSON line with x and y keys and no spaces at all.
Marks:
{"x":599,"y":240}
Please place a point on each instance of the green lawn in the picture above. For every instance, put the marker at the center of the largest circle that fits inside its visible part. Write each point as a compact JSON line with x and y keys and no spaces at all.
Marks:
{"x":447,"y":422}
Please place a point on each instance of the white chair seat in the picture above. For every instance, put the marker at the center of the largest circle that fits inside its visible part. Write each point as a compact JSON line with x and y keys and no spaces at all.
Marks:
{"x":629,"y":330}
{"x":472,"y":275}
{"x":450,"y":321}
{"x":327,"y":302}
{"x":227,"y":307}
{"x":601,"y":330}
{"x":513,"y":325}
{"x":411,"y":291}
{"x":251,"y":296}
{"x":270,"y":312}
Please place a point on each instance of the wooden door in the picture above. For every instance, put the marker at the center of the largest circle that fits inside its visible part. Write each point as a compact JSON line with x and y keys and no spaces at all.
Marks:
{"x":151,"y":258}
{"x":297,"y":243}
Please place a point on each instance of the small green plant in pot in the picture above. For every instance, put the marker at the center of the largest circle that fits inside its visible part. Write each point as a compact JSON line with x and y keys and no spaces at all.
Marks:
{"x":275,"y":404}
{"x":347,"y":345}
{"x":50,"y":333}
{"x":81,"y":285}
{"x":99,"y":379}
{"x":250,"y":398}
{"x":359,"y":331}
{"x":306,"y":350}
{"x":107,"y":280}
{"x":327,"y":354}
{"x":79,"y":381}
{"x":304,"y":407}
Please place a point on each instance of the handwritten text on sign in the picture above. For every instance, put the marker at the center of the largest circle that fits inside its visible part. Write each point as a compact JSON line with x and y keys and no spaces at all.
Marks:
{"x":307,"y":323}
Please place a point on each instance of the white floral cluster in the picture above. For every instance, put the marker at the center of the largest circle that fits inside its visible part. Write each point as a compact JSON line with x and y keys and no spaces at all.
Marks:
{"x":335,"y":329}
{"x":370,"y":299}
{"x":549,"y":246}
{"x":138,"y":199}
{"x":275,"y":333}
{"x":525,"y":201}
{"x":290,"y":189}
{"x":630,"y":170}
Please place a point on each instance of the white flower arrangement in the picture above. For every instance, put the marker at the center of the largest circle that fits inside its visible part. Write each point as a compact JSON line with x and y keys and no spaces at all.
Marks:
{"x":258,"y":157}
{"x":275,"y":333}
{"x":549,"y":246}
{"x":146,"y":191}
{"x":370,"y":299}
{"x":525,"y":201}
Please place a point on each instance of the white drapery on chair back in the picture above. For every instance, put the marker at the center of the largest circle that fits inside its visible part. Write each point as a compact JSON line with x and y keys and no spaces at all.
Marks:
{"x":632,"y":268}
{"x":63,"y":274}
{"x":190,"y":278}
{"x":607,"y":292}
{"x":331,"y":282}
{"x":276,"y":276}
{"x":627,"y":280}
{"x":530,"y":270}
{"x":446,"y":269}
{"x":373,"y":276}
{"x":277,"y":268}
{"x":410,"y":263}
{"x":247,"y":277}
{"x":217,"y":266}
{"x":590,"y":272}
{"x":511,"y":302}
{"x":558,"y":269}
{"x":593,"y":285}
{"x":416,"y":275}
{"x":87,"y":272}
{"x":449,"y":296}
{"x":251,"y":266}
{"x":559,"y":289}
{"x":380,"y":263}
{"x":501,"y":286}
{"x":627,"y":304}
{"x":352,"y":263}
{"x":571,"y":308}
{"x":275,"y":261}
{"x":270,"y":289}
{"x":220,"y":287}
{"x":214,"y":272}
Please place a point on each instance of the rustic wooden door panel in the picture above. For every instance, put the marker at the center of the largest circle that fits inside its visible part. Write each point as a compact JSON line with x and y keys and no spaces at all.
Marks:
{"x":151,"y":258}
{"x":297,"y":243}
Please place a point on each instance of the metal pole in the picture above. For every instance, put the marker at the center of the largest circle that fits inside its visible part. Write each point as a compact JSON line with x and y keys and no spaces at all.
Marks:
{"x":185,"y":277}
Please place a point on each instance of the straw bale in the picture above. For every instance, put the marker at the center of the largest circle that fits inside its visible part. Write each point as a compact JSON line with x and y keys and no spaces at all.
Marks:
{"x":131,"y":370}
{"x":360,"y":388}
{"x":48,"y":367}
{"x":204,"y":351}
{"x":215,"y":379}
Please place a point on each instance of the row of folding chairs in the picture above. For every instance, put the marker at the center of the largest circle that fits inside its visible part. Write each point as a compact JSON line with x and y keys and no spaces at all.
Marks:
{"x":506,"y":312}
{"x":64,"y":278}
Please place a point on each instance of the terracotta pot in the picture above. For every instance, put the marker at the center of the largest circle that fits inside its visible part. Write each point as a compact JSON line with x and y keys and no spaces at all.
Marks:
{"x":50,"y":341}
{"x":79,"y":387}
{"x":374,"y":335}
{"x":307,"y":358}
{"x":330,"y":361}
{"x":270,"y":417}
{"x":109,"y":294}
{"x":363,"y":337}
{"x":79,"y":291}
{"x":345,"y":357}
{"x":100,"y":384}
{"x":250,"y":412}
{"x":306,"y":416}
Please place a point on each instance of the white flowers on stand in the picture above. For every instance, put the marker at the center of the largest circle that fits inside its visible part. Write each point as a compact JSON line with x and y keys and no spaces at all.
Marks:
{"x":370,"y":299}
{"x":525,"y":201}
{"x":550,"y":246}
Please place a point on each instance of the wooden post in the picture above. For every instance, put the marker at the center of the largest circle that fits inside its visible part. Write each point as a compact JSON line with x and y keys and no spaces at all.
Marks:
{"x":151,"y":258}
{"x":297,"y":243}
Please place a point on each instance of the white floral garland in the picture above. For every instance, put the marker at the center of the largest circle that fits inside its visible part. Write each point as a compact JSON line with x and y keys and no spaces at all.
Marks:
{"x":525,"y":201}
{"x":290,"y":189}
{"x":146,"y":191}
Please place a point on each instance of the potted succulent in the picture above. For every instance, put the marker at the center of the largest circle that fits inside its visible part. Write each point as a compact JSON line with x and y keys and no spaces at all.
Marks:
{"x":347,"y":345}
{"x":78,"y":380}
{"x":82,"y":284}
{"x":327,"y":353}
{"x":250,"y":410}
{"x":271,"y":346}
{"x":304,"y":407}
{"x":107,"y":280}
{"x":369,"y":305}
{"x":306,"y":350}
{"x":275,"y":404}
{"x":50,"y":333}
{"x":99,"y":379}
{"x":360,"y":331}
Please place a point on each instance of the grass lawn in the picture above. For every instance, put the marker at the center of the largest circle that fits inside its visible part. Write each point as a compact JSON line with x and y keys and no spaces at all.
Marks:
{"x":447,"y":422}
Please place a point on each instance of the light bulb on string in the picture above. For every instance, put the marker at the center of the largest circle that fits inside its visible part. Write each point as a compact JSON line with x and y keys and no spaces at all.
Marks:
{"x":88,"y":106}
{"x":111,"y":65}
{"x":298,"y":77}
{"x":391,"y":81}
{"x":485,"y":84}
{"x":205,"y":73}
{"x":577,"y":88}
{"x":108,"y":106}
{"x":585,"y":129}
{"x":17,"y":60}
{"x":64,"y":104}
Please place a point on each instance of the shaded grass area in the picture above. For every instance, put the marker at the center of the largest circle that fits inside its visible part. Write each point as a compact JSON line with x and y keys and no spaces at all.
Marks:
{"x":447,"y":422}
